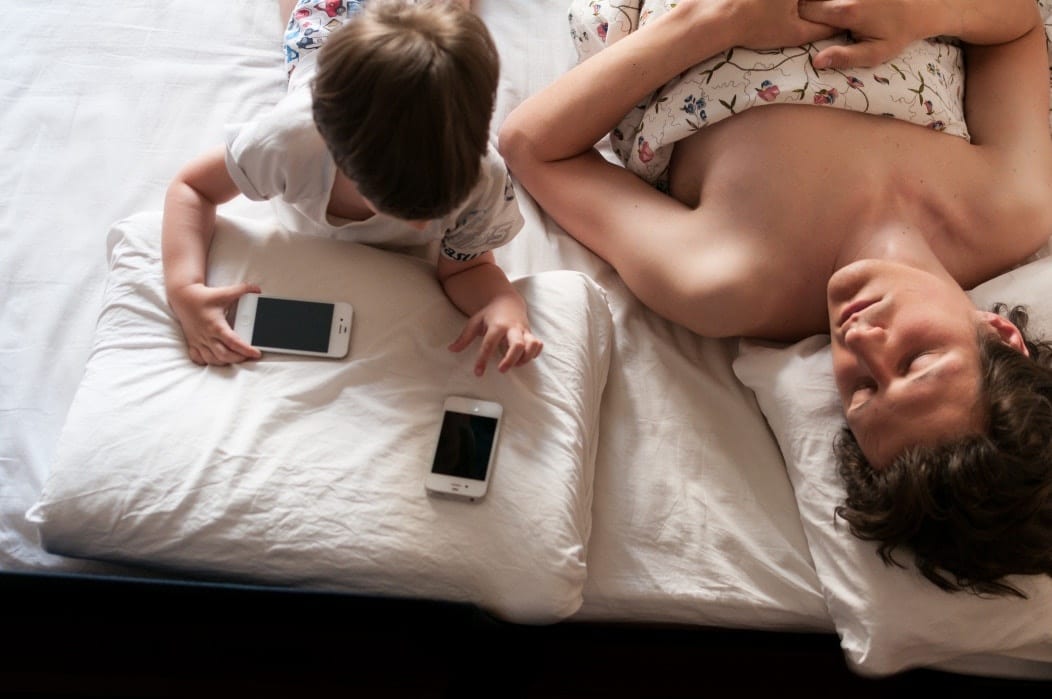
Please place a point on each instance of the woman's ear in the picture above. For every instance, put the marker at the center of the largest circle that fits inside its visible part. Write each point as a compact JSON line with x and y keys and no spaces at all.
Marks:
{"x":1005,"y":330}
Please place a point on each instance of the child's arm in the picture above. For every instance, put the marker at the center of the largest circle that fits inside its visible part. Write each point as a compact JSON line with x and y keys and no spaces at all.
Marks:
{"x":495,"y":310}
{"x":186,"y":234}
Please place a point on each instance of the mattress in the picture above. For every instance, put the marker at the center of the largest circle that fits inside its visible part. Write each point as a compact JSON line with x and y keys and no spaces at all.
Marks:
{"x":691,"y":514}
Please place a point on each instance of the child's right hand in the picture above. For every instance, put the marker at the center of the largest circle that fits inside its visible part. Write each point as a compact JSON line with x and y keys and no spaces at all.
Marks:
{"x":201,"y":311}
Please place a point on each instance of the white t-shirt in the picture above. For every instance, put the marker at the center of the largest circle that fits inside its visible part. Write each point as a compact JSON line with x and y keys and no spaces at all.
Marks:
{"x":282,"y":157}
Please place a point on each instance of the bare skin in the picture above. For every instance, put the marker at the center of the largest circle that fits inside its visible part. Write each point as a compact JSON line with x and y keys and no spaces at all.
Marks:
{"x":896,"y":362}
{"x":768,"y":206}
{"x":860,"y":193}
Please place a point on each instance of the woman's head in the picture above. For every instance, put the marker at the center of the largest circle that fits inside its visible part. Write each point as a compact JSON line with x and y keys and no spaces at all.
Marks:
{"x":905,"y":355}
{"x":976,"y":506}
{"x":403,"y":98}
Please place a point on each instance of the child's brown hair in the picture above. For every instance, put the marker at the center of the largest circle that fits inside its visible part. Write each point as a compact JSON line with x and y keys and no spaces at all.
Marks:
{"x":403,"y":98}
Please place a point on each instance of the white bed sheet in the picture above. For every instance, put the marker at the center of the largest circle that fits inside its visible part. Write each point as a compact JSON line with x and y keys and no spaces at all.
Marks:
{"x":694,"y":519}
{"x":97,"y":114}
{"x":693,"y":514}
{"x":96,"y":125}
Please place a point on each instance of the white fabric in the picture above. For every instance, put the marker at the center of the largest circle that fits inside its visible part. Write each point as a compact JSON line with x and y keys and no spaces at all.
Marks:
{"x":95,"y":120}
{"x":281,"y":156}
{"x":889,"y":619}
{"x":311,"y":472}
{"x":163,"y":96}
{"x":694,"y":519}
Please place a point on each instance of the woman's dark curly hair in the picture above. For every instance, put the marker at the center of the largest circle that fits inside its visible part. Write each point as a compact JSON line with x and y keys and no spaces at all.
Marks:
{"x":978,"y":508}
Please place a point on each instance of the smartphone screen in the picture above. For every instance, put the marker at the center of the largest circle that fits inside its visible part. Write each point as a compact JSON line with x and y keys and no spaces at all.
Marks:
{"x":464,"y":445}
{"x":290,"y":324}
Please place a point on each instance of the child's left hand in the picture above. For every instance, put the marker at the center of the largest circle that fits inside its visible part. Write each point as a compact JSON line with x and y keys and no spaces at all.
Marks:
{"x":502,"y":323}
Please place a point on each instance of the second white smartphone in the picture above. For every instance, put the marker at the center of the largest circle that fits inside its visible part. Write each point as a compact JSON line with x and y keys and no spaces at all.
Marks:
{"x":294,"y":326}
{"x":466,"y":448}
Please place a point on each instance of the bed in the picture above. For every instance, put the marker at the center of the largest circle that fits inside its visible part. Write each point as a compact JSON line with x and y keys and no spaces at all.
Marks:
{"x":648,"y":478}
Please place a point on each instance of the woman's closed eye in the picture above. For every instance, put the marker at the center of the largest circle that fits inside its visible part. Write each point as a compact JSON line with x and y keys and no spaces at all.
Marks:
{"x":917,"y":361}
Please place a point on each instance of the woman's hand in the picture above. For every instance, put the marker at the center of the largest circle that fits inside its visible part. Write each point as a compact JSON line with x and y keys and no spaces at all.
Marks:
{"x":772,"y":24}
{"x":881,"y":29}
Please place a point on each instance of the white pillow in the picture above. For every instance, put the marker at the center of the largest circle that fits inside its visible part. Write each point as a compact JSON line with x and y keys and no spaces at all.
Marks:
{"x":889,"y":619}
{"x":310,"y":472}
{"x":923,"y":85}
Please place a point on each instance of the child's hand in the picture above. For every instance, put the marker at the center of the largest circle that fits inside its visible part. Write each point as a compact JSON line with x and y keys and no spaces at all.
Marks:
{"x":501,"y":323}
{"x":202,"y":313}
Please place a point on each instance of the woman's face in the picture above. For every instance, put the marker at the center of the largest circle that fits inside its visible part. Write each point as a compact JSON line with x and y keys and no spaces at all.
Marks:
{"x":905,"y":356}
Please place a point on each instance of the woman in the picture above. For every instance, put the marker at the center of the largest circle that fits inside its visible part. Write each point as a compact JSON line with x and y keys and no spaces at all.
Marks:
{"x":789,"y":220}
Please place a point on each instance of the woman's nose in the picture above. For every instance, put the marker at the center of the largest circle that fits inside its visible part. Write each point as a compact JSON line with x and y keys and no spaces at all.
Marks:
{"x":867,"y":343}
{"x":864,"y":335}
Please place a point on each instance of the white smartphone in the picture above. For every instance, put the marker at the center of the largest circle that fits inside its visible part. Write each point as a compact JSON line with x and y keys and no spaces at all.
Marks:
{"x":466,"y":448}
{"x":294,"y":326}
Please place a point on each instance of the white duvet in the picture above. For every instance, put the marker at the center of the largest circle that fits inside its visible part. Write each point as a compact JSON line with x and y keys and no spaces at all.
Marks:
{"x":692,"y":518}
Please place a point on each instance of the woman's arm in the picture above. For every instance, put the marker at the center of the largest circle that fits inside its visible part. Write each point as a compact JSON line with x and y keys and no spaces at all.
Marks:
{"x":1006,"y":76}
{"x":548,"y":140}
{"x":1006,"y":99}
{"x":569,"y":116}
{"x":1006,"y":108}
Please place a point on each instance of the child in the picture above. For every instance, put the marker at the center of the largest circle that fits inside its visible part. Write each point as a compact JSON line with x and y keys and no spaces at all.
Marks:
{"x":382,"y":139}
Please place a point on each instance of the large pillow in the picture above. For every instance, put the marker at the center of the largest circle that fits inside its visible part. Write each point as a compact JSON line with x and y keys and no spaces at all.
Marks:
{"x":890,"y":619}
{"x":310,"y":472}
{"x":922,"y":85}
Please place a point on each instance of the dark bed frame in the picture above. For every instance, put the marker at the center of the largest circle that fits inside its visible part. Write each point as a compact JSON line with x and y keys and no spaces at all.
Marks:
{"x":81,"y":635}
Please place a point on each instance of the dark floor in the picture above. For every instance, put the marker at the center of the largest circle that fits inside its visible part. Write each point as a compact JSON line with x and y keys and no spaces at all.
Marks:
{"x":80,"y":637}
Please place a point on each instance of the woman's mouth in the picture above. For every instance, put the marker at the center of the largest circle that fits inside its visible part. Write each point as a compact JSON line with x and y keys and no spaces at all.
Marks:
{"x":852,"y":309}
